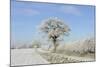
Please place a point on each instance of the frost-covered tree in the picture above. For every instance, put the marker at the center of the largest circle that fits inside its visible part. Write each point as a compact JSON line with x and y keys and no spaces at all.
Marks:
{"x":54,"y":28}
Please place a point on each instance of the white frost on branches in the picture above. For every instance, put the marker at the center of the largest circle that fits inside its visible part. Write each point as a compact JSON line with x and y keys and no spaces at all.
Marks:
{"x":53,"y":26}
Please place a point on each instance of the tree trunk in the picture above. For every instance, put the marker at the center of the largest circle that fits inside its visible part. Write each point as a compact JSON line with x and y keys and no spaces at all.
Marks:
{"x":54,"y":50}
{"x":55,"y":43}
{"x":55,"y":46}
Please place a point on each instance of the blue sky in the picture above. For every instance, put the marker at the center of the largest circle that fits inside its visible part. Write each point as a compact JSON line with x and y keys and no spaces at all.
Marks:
{"x":26,"y":16}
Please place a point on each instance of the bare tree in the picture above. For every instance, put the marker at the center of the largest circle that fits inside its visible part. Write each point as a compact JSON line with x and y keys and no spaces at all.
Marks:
{"x":54,"y":28}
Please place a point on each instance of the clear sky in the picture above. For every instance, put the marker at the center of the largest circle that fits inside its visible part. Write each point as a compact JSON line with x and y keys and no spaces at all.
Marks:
{"x":26,"y":16}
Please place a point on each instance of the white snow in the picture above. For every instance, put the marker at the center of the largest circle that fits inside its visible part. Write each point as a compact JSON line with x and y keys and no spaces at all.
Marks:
{"x":26,"y":57}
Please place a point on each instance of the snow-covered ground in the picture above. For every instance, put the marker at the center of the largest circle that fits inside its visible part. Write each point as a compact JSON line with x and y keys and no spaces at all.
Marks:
{"x":26,"y":57}
{"x":38,"y":56}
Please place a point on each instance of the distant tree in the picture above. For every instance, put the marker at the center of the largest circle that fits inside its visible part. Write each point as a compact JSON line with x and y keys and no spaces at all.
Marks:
{"x":54,"y":28}
{"x":36,"y":44}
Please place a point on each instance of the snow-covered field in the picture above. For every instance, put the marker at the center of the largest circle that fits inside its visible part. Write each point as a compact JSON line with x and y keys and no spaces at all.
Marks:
{"x":26,"y":57}
{"x":39,"y":56}
{"x":79,"y":51}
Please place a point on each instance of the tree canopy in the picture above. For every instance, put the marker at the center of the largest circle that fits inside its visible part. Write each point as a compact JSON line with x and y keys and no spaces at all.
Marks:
{"x":54,"y":28}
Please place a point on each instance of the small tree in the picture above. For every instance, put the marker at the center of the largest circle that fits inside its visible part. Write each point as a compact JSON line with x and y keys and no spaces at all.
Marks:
{"x":36,"y":44}
{"x":54,"y":28}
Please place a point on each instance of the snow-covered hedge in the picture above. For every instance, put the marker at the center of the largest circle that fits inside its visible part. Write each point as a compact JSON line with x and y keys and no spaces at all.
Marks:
{"x":80,"y":46}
